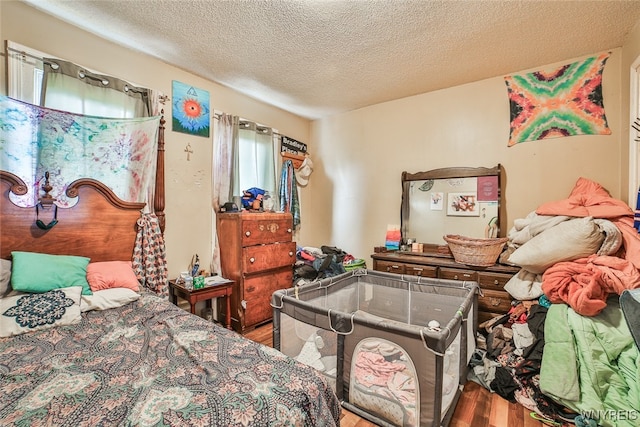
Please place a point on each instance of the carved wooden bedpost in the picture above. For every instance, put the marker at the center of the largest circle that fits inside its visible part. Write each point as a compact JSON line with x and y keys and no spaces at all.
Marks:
{"x":158,"y":200}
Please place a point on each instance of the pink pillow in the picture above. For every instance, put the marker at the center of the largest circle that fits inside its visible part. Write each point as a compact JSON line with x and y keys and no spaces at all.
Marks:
{"x":111,"y":274}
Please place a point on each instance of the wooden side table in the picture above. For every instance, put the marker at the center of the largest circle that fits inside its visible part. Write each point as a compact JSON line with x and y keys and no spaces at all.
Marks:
{"x":204,"y":294}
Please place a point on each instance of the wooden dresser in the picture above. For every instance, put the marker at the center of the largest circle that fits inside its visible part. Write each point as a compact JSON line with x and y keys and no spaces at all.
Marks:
{"x":257,"y":251}
{"x":492,"y":301}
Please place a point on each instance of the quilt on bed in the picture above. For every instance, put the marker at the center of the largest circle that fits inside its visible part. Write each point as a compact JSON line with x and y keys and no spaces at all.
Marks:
{"x":149,"y":363}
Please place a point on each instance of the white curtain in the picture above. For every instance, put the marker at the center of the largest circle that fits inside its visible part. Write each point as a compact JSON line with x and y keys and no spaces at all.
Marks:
{"x":226,"y":136}
{"x":70,"y":87}
{"x":254,"y":164}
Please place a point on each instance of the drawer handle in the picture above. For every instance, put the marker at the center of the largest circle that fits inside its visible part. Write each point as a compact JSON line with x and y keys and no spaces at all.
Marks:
{"x":495,"y":302}
{"x":455,"y":277}
{"x":392,"y":267}
{"x":290,"y":253}
{"x":419,"y":270}
{"x":289,"y":230}
{"x":496,"y":282}
{"x":248,"y":233}
{"x":252,"y":260}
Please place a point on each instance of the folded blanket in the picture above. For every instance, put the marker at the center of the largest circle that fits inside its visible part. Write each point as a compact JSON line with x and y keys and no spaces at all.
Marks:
{"x":585,"y":283}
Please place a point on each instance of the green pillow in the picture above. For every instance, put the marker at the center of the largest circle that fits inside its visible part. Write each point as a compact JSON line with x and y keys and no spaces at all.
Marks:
{"x":39,"y":273}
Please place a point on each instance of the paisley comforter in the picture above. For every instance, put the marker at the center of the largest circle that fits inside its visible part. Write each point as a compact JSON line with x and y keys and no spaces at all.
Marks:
{"x":150,"y":363}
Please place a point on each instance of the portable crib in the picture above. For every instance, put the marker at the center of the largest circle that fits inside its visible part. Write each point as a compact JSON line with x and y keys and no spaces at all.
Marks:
{"x":368,"y":332}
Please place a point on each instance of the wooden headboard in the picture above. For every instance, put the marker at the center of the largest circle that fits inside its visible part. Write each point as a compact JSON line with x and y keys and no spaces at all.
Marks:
{"x":100,"y":226}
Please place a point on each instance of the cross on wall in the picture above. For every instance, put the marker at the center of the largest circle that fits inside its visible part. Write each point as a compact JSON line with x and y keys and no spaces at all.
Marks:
{"x":189,"y":151}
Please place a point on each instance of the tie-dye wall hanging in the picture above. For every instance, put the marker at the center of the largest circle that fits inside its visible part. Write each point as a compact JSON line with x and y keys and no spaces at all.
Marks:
{"x":121,"y":153}
{"x":565,"y":101}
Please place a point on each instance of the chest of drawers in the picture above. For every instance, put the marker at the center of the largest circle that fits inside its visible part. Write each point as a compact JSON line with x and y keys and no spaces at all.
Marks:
{"x":493,"y":300}
{"x":257,"y":252}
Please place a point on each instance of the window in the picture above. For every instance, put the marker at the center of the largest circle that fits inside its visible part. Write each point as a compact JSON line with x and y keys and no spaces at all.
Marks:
{"x":36,"y":78}
{"x":24,"y":74}
{"x":255,"y":162}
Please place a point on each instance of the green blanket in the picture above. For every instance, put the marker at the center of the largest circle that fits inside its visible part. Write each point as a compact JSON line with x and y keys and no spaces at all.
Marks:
{"x":591,"y":364}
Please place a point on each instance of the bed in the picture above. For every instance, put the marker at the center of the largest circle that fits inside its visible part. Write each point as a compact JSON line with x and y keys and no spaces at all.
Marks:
{"x":124,"y":355}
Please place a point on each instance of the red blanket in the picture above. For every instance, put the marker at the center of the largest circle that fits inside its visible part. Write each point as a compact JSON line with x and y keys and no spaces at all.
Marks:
{"x":585,"y":284}
{"x":588,"y":198}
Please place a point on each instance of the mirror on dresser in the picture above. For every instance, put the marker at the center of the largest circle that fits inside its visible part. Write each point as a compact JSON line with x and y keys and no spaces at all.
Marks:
{"x":457,"y":200}
{"x":429,"y":203}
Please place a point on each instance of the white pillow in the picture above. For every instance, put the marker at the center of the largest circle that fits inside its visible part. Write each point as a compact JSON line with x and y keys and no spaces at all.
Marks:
{"x":108,"y":298}
{"x":567,"y":241}
{"x":27,"y":312}
{"x":524,"y":286}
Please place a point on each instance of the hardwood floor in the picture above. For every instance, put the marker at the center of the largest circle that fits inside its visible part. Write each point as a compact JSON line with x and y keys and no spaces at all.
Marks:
{"x":477,"y":406}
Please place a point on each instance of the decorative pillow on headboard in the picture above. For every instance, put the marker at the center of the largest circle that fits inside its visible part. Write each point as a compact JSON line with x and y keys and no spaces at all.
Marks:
{"x":38,"y":273}
{"x":112,"y":274}
{"x":5,"y":277}
{"x":31,"y":312}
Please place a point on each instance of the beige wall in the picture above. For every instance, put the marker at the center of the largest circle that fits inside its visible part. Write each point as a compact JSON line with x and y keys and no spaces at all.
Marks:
{"x":188,"y":183}
{"x":355,"y":191}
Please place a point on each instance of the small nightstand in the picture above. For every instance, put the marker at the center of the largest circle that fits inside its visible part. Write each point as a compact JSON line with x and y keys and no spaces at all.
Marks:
{"x":204,"y":294}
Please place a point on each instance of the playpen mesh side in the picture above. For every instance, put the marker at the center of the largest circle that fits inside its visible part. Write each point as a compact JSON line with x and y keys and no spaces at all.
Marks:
{"x":337,"y":314}
{"x":312,"y":345}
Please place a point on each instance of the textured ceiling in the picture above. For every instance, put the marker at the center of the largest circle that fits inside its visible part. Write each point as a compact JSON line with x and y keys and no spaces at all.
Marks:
{"x":320,"y":57}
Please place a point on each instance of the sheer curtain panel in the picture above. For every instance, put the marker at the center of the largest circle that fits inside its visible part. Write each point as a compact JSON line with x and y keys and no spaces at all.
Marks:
{"x":254,"y":164}
{"x":69,"y":87}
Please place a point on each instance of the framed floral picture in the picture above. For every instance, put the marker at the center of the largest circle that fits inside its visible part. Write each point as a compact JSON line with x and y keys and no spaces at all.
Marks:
{"x":190,"y":112}
{"x":463,"y":204}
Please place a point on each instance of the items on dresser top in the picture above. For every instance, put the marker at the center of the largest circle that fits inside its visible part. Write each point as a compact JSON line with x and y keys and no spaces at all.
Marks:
{"x":257,"y":252}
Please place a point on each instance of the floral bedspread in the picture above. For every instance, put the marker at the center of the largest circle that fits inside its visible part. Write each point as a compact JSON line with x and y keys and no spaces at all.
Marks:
{"x":150,"y":363}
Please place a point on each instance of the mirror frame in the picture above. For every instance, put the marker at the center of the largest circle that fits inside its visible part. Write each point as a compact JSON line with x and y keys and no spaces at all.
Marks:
{"x":449,"y":173}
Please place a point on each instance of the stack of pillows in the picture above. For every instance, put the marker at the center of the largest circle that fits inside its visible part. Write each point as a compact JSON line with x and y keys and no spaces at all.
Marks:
{"x":41,"y":291}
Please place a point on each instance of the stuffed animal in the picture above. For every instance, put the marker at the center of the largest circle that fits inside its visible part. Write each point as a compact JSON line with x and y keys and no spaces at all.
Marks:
{"x":252,"y":198}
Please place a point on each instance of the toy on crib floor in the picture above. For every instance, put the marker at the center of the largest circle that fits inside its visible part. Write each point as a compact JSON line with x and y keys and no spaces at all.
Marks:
{"x":433,"y":325}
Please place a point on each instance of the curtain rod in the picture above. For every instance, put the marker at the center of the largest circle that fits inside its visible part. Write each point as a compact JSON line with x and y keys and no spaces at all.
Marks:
{"x":217,"y":117}
{"x":23,"y":53}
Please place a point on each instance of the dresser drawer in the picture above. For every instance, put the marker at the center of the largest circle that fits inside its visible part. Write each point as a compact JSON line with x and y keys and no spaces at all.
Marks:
{"x":421,"y":270}
{"x":457,"y":274}
{"x":483,"y":316}
{"x":266,"y":230}
{"x":389,"y":267}
{"x":257,"y":294}
{"x":268,"y":257}
{"x":493,"y":281}
{"x":494,"y":301}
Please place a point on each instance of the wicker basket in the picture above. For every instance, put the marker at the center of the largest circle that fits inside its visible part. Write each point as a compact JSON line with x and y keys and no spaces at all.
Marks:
{"x":476,"y":252}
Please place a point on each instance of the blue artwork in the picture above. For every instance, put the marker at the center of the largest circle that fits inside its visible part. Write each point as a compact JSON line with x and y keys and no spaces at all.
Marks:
{"x":190,"y":110}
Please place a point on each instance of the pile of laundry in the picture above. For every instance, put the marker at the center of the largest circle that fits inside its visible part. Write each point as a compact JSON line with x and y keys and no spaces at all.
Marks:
{"x":319,"y":263}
